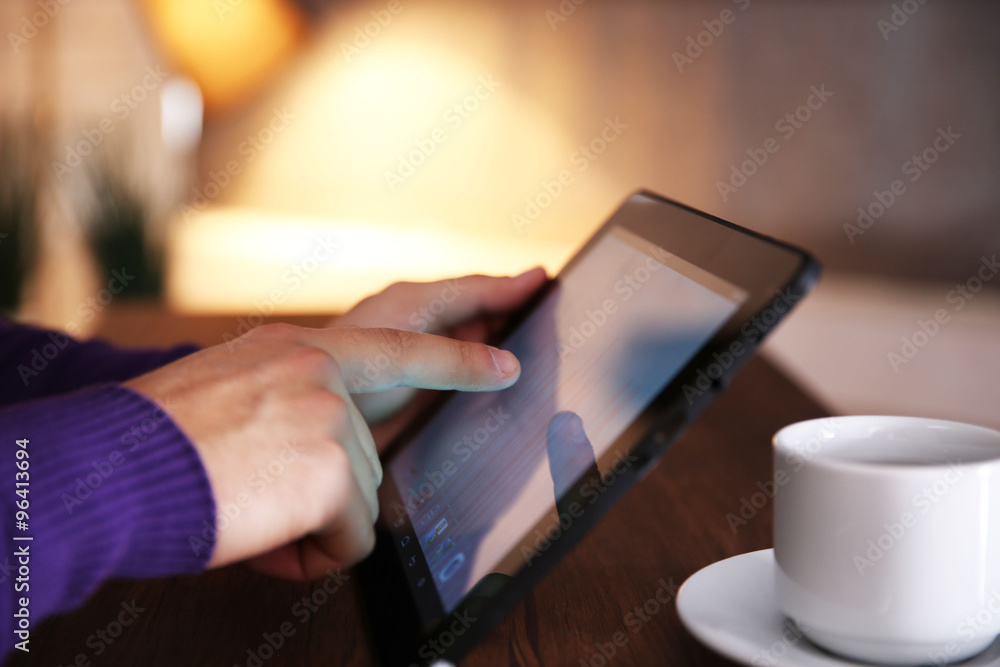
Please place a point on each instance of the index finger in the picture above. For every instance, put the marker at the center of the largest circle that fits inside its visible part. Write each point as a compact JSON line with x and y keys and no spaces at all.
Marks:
{"x":378,"y":359}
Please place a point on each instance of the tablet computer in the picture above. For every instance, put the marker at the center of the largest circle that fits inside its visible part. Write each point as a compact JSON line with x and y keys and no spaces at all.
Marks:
{"x":645,"y":325}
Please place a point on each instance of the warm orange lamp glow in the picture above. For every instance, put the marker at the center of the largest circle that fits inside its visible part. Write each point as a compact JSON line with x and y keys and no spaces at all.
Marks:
{"x":233,"y":260}
{"x":229,"y":47}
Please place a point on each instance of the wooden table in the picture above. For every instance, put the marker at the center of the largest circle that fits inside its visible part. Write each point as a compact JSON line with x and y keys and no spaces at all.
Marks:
{"x":671,"y":525}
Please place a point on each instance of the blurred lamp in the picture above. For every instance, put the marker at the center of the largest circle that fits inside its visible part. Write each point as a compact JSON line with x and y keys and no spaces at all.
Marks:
{"x":229,"y":47}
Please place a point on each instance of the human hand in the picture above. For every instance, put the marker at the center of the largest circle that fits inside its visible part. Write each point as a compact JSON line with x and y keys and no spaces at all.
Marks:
{"x":470,"y":308}
{"x":281,"y":396}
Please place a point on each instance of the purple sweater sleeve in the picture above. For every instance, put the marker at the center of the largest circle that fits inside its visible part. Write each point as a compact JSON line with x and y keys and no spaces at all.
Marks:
{"x":109,"y":485}
{"x":35,"y":362}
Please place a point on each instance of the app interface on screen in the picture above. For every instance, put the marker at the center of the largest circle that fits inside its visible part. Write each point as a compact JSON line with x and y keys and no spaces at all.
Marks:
{"x":597,"y":350}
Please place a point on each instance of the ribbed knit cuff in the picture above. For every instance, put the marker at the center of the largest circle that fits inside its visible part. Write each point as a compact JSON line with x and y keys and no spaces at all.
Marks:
{"x":116,"y":490}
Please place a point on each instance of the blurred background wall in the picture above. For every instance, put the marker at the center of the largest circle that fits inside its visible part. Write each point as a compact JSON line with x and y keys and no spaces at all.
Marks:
{"x":425,"y":138}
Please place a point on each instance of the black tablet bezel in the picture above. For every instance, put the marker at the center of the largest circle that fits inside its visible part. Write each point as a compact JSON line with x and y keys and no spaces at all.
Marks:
{"x":775,"y":276}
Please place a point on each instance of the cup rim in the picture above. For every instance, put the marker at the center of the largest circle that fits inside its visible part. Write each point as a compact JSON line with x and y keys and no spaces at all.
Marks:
{"x":861,"y":466}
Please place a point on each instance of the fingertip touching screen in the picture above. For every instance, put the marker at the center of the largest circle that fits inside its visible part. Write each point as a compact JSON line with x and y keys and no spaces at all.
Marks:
{"x":614,"y":330}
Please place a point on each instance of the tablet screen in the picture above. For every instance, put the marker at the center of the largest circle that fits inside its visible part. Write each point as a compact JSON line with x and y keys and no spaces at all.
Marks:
{"x":604,"y":342}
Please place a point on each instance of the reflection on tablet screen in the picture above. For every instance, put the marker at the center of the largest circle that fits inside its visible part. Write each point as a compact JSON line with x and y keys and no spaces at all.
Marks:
{"x":600,"y":347}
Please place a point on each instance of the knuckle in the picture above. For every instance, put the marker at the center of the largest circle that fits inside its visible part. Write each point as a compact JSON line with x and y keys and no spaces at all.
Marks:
{"x":329,"y":404}
{"x":396,"y":293}
{"x":466,"y":353}
{"x":400,"y":288}
{"x":331,"y":411}
{"x":309,"y":357}
{"x":392,"y":348}
{"x":277,"y":330}
{"x":365,"y":303}
{"x":298,"y":363}
{"x":349,"y":333}
{"x":390,"y":338}
{"x":339,"y":464}
{"x":311,"y":412}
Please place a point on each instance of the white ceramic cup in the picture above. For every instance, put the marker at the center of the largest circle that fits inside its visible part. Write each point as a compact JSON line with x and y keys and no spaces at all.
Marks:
{"x":887,"y":536}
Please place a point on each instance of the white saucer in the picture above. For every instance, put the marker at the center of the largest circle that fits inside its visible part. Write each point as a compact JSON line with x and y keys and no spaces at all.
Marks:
{"x":730,"y":607}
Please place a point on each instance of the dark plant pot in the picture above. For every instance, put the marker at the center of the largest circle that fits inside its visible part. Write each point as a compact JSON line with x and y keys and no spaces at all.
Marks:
{"x":120,"y":240}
